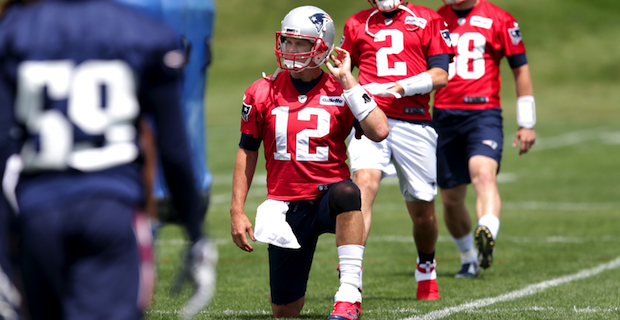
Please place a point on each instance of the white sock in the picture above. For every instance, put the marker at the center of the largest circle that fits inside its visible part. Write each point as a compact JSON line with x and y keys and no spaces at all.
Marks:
{"x":465,"y":245}
{"x":492,"y":222}
{"x":350,"y":257}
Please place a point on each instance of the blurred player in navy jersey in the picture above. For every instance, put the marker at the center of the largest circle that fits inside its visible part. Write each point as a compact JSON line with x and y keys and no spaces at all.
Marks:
{"x":76,"y":79}
{"x":402,"y":52}
{"x":303,"y":115}
{"x":192,"y":20}
{"x":468,"y":117}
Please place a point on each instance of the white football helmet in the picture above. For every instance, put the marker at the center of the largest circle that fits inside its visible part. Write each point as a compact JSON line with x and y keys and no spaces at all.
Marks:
{"x":386,"y":5}
{"x":310,"y":23}
{"x":450,"y":2}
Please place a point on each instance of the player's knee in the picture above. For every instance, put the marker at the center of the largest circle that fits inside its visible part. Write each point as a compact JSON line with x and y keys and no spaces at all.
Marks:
{"x":345,"y":196}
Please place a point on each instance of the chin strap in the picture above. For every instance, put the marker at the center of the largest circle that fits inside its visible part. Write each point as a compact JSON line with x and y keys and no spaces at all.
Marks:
{"x":273,"y":77}
{"x":401,"y":7}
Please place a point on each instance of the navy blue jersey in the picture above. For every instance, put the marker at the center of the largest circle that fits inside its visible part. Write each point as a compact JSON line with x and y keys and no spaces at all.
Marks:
{"x":76,"y":76}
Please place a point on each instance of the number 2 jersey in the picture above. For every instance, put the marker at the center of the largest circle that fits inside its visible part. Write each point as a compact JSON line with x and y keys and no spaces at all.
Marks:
{"x":398,"y":48}
{"x":303,"y":135}
{"x":480,"y":40}
{"x":75,"y":79}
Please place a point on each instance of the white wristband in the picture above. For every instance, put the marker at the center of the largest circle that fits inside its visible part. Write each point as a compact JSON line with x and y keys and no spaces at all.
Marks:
{"x":419,"y":84}
{"x":526,"y":112}
{"x":359,"y":101}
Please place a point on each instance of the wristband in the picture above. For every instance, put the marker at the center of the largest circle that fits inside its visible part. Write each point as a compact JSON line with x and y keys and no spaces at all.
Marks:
{"x":526,"y":112}
{"x":359,"y":101}
{"x":419,"y":84}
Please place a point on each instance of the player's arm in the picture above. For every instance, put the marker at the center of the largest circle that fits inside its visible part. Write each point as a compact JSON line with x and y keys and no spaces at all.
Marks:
{"x":372,"y":119}
{"x":160,"y":96}
{"x":526,"y":109}
{"x":240,"y":225}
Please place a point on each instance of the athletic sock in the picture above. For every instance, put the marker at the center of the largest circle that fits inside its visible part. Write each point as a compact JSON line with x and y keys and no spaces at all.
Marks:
{"x":350,"y":257}
{"x":491,"y":222}
{"x":465,"y":245}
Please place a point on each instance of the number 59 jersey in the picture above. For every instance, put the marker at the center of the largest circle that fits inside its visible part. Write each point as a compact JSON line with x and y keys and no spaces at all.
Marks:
{"x":480,"y":40}
{"x":304,"y":135}
{"x":75,"y":78}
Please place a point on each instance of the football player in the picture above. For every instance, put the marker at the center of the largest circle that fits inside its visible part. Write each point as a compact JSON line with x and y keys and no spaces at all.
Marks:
{"x":194,"y":32}
{"x":402,"y":52}
{"x":73,"y":105}
{"x":303,"y":115}
{"x":468,"y":117}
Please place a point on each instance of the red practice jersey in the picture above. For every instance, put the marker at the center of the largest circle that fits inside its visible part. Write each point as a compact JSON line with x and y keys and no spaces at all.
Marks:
{"x":303,"y":135}
{"x":480,"y":41}
{"x":397,"y":49}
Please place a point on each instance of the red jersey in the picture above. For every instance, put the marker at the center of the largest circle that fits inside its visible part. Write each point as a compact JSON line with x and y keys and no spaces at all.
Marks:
{"x":397,"y":49}
{"x":304,"y":135}
{"x":480,"y":40}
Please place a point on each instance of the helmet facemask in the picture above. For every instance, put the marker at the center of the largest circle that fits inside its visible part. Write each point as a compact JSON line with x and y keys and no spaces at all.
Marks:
{"x":300,"y":60}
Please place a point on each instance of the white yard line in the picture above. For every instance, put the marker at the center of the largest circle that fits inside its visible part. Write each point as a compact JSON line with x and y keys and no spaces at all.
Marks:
{"x":527,"y":291}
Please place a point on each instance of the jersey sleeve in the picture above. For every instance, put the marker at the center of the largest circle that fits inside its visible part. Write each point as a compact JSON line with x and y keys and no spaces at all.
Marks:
{"x":160,"y":95}
{"x":348,"y":39}
{"x":253,"y":99}
{"x":510,"y":36}
{"x":439,"y":36}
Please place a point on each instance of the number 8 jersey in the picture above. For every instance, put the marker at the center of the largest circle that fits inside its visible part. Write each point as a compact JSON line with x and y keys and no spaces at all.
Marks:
{"x":480,"y":40}
{"x":304,"y":135}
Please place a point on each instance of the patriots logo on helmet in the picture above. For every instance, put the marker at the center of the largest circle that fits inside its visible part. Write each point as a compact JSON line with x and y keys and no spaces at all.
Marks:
{"x":319,"y":20}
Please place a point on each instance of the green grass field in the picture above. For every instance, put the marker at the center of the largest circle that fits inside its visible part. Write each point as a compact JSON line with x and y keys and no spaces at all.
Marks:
{"x":558,"y":250}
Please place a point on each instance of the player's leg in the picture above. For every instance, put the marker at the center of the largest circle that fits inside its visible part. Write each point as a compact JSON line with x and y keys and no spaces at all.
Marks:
{"x":370,"y":162}
{"x":368,"y":180}
{"x":106,"y":279}
{"x":483,"y":172}
{"x":453,"y":178}
{"x":289,"y":269}
{"x":458,"y":223}
{"x":344,"y":200}
{"x":414,"y":153}
{"x":485,"y":146}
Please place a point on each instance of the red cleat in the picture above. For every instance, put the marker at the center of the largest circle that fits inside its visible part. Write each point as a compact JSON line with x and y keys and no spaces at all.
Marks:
{"x":426,"y":277}
{"x":346,"y":311}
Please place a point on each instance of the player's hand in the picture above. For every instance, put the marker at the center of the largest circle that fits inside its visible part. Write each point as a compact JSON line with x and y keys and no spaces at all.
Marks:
{"x":525,"y":139}
{"x":382,"y":89}
{"x":199,"y":268}
{"x":240,"y":225}
{"x":341,"y":69}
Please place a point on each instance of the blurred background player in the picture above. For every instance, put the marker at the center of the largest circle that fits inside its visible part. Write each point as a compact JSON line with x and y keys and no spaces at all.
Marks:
{"x":192,"y":20}
{"x":468,"y":117}
{"x":402,"y":52}
{"x":303,"y":117}
{"x":74,"y":105}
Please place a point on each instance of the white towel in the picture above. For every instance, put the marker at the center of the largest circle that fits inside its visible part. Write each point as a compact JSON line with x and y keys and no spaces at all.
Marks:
{"x":271,"y":227}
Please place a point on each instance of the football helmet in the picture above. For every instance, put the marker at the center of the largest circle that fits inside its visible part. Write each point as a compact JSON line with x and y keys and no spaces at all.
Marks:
{"x":385,"y":5}
{"x":309,"y":23}
{"x":451,"y":2}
